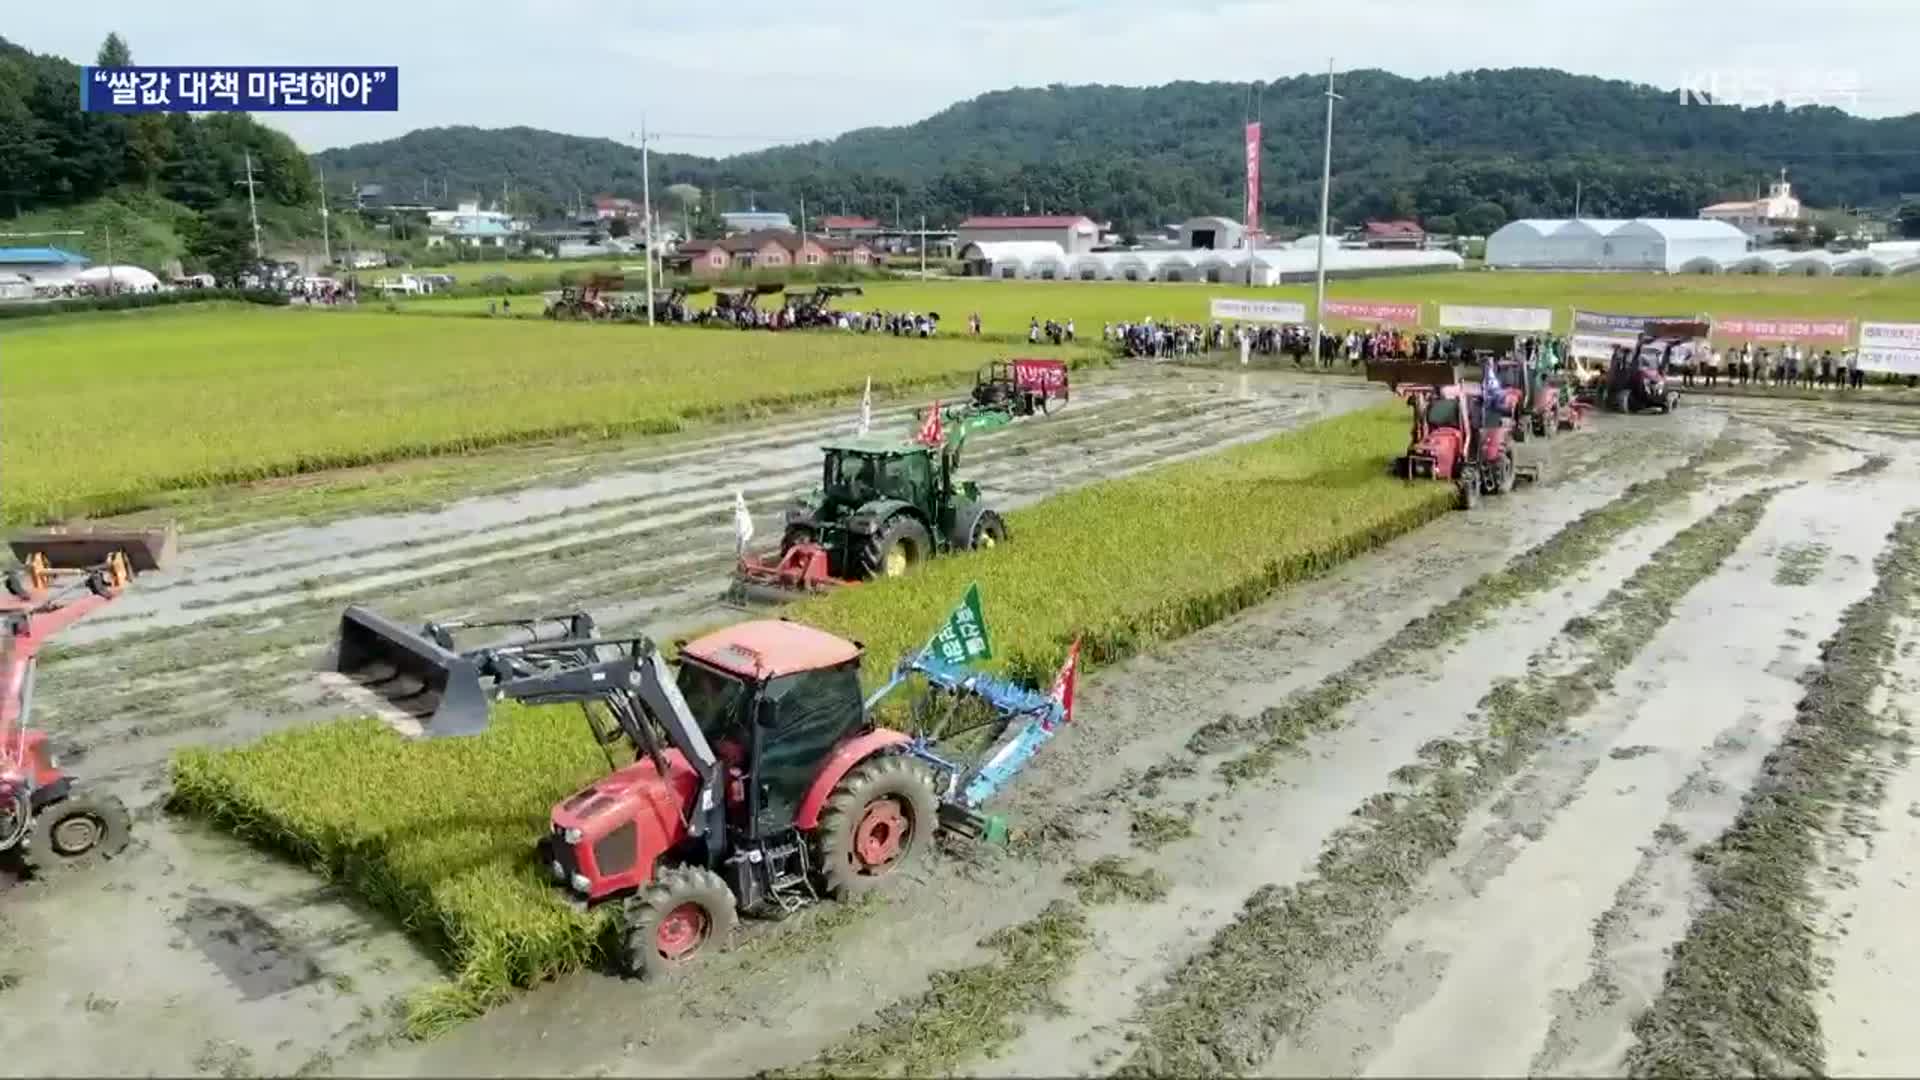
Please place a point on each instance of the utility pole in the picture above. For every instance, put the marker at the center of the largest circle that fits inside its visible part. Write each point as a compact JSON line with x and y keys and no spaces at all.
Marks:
{"x":1320,"y":242}
{"x":109,"y":230}
{"x":1578,"y":190}
{"x":646,"y":211}
{"x":923,"y":247}
{"x":326,"y":230}
{"x":253,"y":209}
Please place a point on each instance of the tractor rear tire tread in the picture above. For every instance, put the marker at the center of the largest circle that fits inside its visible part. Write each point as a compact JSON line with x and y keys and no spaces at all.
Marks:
{"x":673,"y":888}
{"x":900,"y":530}
{"x":988,"y":525}
{"x":902,"y":778}
{"x":110,"y":817}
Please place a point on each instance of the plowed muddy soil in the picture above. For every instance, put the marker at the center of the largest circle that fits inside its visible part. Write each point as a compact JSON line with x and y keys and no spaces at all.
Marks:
{"x":1472,"y":804}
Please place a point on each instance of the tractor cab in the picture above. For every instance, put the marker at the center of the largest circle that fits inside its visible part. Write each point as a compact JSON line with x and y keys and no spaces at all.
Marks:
{"x":773,"y":699}
{"x":855,"y":474}
{"x":1636,"y":381}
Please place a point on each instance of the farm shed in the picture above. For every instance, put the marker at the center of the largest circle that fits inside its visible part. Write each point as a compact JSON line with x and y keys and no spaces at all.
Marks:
{"x":1666,"y":245}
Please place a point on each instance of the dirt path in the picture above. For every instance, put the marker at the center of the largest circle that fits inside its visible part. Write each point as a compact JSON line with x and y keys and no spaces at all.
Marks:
{"x":1433,"y":812}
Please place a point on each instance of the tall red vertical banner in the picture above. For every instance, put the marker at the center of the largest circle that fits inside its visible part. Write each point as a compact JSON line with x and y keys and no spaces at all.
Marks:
{"x":1252,"y":214}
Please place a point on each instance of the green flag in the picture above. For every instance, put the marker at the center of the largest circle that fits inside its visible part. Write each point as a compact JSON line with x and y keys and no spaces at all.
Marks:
{"x":963,"y":640}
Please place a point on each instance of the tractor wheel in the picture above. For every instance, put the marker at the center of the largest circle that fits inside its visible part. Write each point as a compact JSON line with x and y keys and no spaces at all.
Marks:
{"x":1505,"y":472}
{"x":795,"y":536}
{"x":901,"y":546}
{"x":1468,"y":483}
{"x":879,"y":817}
{"x":1623,"y":402}
{"x":989,"y":532}
{"x":671,"y":922}
{"x":77,"y":832}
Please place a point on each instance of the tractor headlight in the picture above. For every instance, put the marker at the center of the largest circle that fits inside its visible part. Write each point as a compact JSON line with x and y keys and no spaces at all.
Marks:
{"x":580,"y":884}
{"x":571,"y":836}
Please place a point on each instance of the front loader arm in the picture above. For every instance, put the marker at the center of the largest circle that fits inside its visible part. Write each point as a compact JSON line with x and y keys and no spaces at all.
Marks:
{"x":636,"y":686}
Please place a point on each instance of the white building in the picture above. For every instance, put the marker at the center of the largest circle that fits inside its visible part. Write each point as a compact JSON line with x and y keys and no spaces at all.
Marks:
{"x":1655,"y":245}
{"x":746,"y":221}
{"x":1526,"y":245}
{"x":44,"y":266}
{"x":1210,"y":233}
{"x":1760,"y":218}
{"x":1074,"y":233}
{"x":1035,"y":260}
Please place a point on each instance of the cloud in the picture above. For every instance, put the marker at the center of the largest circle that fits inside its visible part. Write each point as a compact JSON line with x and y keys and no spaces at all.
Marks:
{"x":735,"y":76}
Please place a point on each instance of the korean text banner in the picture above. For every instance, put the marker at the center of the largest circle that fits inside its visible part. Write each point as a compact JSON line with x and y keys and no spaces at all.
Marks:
{"x":1897,"y":361}
{"x":1362,"y":311}
{"x":1509,"y":320}
{"x":1887,"y":335}
{"x":1284,"y":311}
{"x":1596,"y":333}
{"x":1825,"y":331}
{"x":239,"y":89}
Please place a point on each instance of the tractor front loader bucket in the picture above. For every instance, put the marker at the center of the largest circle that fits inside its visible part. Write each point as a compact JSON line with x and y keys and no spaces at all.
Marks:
{"x":87,"y":548}
{"x":437,"y":686}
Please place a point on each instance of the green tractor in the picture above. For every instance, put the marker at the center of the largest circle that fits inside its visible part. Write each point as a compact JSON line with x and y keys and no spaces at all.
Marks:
{"x":882,"y":508}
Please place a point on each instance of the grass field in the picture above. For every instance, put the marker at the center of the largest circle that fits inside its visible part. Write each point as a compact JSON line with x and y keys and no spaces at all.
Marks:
{"x":439,"y":833}
{"x":102,"y":413}
{"x":1005,"y":306}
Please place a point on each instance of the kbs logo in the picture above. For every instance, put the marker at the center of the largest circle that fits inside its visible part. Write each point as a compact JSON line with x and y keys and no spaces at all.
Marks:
{"x":1748,"y":88}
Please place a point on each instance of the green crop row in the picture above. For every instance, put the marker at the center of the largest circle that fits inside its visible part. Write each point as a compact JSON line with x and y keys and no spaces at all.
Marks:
{"x":440,"y":833}
{"x":101,"y":414}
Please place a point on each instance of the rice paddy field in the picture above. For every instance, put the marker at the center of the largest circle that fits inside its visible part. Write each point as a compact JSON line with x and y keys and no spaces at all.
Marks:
{"x":1356,"y":783}
{"x":193,"y":399}
{"x":1006,"y":306}
{"x":352,"y":797}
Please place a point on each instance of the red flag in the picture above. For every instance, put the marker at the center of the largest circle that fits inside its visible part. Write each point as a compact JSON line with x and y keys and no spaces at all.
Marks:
{"x":1063,"y":683}
{"x":1253,"y":177}
{"x":931,"y":431}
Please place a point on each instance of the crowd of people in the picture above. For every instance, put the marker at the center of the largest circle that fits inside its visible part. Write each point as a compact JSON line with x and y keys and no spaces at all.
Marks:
{"x":1749,"y":365}
{"x":1168,"y":339}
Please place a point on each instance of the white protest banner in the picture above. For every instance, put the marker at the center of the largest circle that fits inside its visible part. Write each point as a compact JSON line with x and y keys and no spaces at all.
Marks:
{"x":1497,"y":320}
{"x":1280,"y":311}
{"x":1887,"y":335}
{"x":1896,"y":361}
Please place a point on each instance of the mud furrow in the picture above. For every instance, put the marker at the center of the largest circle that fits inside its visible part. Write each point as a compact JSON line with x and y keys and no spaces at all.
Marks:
{"x":1228,"y":1010}
{"x":1739,"y":996}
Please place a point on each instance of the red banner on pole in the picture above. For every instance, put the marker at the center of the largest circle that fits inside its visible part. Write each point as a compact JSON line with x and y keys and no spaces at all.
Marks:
{"x":1821,"y":331}
{"x":1253,"y":177}
{"x":1361,"y":311}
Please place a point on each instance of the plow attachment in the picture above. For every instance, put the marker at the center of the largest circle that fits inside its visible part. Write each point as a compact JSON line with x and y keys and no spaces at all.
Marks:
{"x":801,"y":571}
{"x":416,"y":674}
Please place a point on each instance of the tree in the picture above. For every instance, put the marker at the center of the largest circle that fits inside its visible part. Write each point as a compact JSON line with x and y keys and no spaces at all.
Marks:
{"x":706,"y":221}
{"x":114,"y":52}
{"x":618,"y":226}
{"x":686,"y":197}
{"x":1483,"y":219}
{"x":1824,"y":234}
{"x":1443,"y":224}
{"x":1908,"y":223}
{"x":221,"y":244}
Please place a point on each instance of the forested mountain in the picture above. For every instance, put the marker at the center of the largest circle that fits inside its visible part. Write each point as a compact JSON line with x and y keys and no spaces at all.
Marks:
{"x":174,"y":171}
{"x":1481,"y":145}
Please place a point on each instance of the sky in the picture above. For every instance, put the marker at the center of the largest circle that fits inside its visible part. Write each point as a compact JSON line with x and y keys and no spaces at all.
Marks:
{"x":739,"y":75}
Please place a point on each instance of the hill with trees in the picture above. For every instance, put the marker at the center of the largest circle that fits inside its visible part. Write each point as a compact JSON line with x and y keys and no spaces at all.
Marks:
{"x":1468,"y":150}
{"x":163,"y":186}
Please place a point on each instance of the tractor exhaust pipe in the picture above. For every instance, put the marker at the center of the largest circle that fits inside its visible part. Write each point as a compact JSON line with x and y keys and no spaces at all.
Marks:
{"x":431,"y":683}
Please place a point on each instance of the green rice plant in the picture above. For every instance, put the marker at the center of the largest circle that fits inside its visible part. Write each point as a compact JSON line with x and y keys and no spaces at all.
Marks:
{"x":441,"y":833}
{"x":203,"y":398}
{"x":438,"y":832}
{"x":1130,"y":562}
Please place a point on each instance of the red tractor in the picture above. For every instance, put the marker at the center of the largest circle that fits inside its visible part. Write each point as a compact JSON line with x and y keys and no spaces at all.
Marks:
{"x":759,"y":780}
{"x":1447,"y":444}
{"x":1535,"y":401}
{"x":46,"y":820}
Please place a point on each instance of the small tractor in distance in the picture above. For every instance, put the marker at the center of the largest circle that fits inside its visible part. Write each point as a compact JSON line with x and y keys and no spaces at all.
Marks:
{"x":1446,"y":443}
{"x":1539,"y":405}
{"x":46,"y":820}
{"x":759,"y":780}
{"x":883,"y":507}
{"x":1008,"y":390}
{"x":813,"y":307}
{"x":1637,"y":379}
